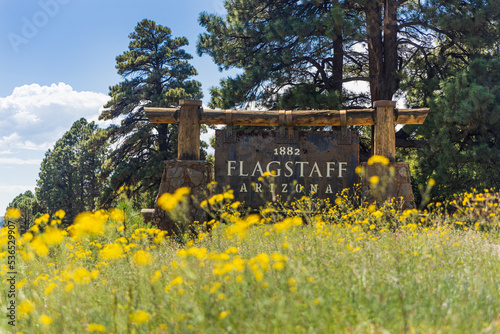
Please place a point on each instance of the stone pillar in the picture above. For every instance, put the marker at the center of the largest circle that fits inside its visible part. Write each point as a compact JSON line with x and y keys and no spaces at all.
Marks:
{"x":393,"y":182}
{"x":195,"y":175}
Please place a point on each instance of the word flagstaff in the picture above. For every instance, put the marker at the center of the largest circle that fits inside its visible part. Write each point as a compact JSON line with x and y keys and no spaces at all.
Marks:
{"x":292,"y":168}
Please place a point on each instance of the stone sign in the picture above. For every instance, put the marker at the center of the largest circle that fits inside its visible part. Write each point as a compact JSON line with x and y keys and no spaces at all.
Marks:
{"x":261,"y":166}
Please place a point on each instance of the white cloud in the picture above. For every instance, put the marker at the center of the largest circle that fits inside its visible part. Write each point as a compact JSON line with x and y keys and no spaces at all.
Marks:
{"x":15,"y":189}
{"x":33,"y":117}
{"x":17,"y":161}
{"x":15,"y":141}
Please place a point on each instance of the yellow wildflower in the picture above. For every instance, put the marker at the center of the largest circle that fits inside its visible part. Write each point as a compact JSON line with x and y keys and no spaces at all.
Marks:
{"x":88,"y":223}
{"x":12,"y":213}
{"x":60,"y":214}
{"x":52,"y":236}
{"x":25,"y":308}
{"x":111,"y":252}
{"x":117,"y":215}
{"x":81,"y":275}
{"x":176,"y":281}
{"x":278,"y":266}
{"x":224,"y":314}
{"x":49,"y":288}
{"x":180,"y":193}
{"x":139,"y":317}
{"x":45,"y":319}
{"x":96,"y":328}
{"x":235,"y":205}
{"x":378,"y":159}
{"x":27,"y":237}
{"x":143,"y":258}
{"x":69,"y":287}
{"x":39,"y":246}
{"x":167,"y":202}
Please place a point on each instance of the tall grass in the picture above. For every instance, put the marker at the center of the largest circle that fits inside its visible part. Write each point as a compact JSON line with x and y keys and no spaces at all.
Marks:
{"x":344,"y":269}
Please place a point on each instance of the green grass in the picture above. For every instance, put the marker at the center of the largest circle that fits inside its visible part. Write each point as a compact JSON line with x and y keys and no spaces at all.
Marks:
{"x":346,"y":271}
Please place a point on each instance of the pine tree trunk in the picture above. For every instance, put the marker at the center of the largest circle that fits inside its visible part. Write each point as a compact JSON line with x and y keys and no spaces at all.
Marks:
{"x":382,"y":49}
{"x":338,"y":65}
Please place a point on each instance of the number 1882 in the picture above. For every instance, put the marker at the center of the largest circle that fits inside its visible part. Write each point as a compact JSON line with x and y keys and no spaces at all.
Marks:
{"x":286,"y":150}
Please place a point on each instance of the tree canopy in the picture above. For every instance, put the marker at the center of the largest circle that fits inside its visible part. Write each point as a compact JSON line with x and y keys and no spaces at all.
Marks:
{"x":463,"y":124}
{"x":70,"y":176}
{"x":298,"y":54}
{"x":28,"y":205}
{"x":156,"y":70}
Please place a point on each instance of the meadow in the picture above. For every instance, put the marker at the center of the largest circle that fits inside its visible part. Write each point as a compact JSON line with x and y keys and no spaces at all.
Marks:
{"x":311,"y":268}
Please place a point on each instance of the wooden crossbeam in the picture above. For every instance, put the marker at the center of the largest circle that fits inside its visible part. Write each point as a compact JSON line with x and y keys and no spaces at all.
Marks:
{"x":190,"y":115}
{"x":299,"y":117}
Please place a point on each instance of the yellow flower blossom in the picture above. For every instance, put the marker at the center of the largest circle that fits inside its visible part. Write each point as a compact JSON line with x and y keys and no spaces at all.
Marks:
{"x":139,"y":317}
{"x":235,"y":205}
{"x":27,"y":237}
{"x":49,"y":288}
{"x":96,"y":328}
{"x":111,"y":252}
{"x":143,"y":258}
{"x":52,"y":236}
{"x":81,"y":275}
{"x":60,"y":214}
{"x":168,"y":202}
{"x":176,"y":281}
{"x":45,"y":319}
{"x":224,"y":314}
{"x":117,"y":215}
{"x":287,"y":223}
{"x":39,"y":246}
{"x":378,"y":159}
{"x":88,"y":223}
{"x":25,"y":308}
{"x":12,"y":213}
{"x":69,"y":287}
{"x":278,"y":266}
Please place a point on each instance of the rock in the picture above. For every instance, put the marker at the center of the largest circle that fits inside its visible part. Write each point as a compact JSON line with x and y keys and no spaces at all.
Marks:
{"x":195,"y":176}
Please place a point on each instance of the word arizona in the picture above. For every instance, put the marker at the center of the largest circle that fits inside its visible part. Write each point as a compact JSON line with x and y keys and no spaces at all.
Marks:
{"x":289,"y":168}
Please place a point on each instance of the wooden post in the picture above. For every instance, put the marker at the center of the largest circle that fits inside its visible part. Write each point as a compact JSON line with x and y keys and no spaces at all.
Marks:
{"x":384,"y":134}
{"x":189,"y":130}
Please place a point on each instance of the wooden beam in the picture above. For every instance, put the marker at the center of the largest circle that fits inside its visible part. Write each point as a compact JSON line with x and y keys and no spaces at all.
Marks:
{"x":299,"y":117}
{"x":189,"y":130}
{"x":384,"y":134}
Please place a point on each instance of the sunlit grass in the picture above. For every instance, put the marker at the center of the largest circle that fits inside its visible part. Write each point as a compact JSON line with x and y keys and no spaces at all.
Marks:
{"x":308,"y":269}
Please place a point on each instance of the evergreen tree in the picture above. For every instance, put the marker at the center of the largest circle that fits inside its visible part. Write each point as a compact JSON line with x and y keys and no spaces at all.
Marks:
{"x":29,"y":207}
{"x":463,"y":139}
{"x":461,"y":31}
{"x":300,"y":53}
{"x":70,"y":175}
{"x":156,"y":70}
{"x":285,"y":47}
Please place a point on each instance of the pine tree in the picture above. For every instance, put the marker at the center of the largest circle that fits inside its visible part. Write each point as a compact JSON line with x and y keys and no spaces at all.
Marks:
{"x":464,"y":142}
{"x":28,"y":205}
{"x":156,"y":70}
{"x":70,"y":175}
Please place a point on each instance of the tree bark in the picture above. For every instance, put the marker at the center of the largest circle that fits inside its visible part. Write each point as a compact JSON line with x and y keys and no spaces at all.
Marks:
{"x":382,"y":27}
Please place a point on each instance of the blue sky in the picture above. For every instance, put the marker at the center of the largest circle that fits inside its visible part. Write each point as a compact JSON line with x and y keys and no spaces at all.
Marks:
{"x":57,"y":62}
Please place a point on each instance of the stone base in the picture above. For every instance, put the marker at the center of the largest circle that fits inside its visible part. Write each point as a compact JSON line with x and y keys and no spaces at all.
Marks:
{"x":393,"y":182}
{"x":195,"y":175}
